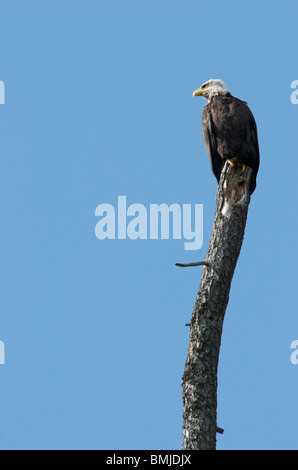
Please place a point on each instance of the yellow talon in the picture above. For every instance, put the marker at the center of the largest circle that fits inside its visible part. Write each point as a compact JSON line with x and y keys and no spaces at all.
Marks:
{"x":234,"y":161}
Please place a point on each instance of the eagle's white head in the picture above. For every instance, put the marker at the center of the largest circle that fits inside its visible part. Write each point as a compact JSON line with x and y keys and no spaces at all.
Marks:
{"x":213,"y":87}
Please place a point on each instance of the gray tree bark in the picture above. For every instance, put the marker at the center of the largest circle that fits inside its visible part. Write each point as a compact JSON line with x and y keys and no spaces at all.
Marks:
{"x":199,"y":381}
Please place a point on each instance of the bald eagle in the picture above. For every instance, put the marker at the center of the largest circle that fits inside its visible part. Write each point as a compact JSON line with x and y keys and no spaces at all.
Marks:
{"x":229,"y":130}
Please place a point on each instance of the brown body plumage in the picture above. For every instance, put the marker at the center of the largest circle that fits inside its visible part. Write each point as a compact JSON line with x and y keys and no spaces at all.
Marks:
{"x":229,"y":130}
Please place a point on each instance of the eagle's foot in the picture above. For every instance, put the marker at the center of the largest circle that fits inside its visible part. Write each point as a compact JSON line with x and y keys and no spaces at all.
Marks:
{"x":233,"y":161}
{"x":244,"y":167}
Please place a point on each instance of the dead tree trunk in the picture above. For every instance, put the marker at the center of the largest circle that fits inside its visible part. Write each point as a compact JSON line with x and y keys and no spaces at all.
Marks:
{"x":200,"y":375}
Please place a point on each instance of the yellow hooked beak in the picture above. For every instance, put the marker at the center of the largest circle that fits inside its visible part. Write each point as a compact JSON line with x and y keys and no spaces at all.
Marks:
{"x":198,"y":92}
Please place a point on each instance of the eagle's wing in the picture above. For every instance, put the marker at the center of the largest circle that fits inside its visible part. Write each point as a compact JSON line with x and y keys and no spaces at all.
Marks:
{"x":253,"y":137}
{"x":209,"y":137}
{"x":253,"y":144}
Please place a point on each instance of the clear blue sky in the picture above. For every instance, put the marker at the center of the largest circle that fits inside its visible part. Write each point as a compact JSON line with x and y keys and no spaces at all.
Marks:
{"x":99,"y":104}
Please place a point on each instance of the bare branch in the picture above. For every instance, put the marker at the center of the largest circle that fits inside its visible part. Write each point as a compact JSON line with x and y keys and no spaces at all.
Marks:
{"x":198,"y":263}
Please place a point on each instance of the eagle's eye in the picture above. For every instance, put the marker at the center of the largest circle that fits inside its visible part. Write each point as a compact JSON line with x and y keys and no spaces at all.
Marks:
{"x":203,"y":86}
